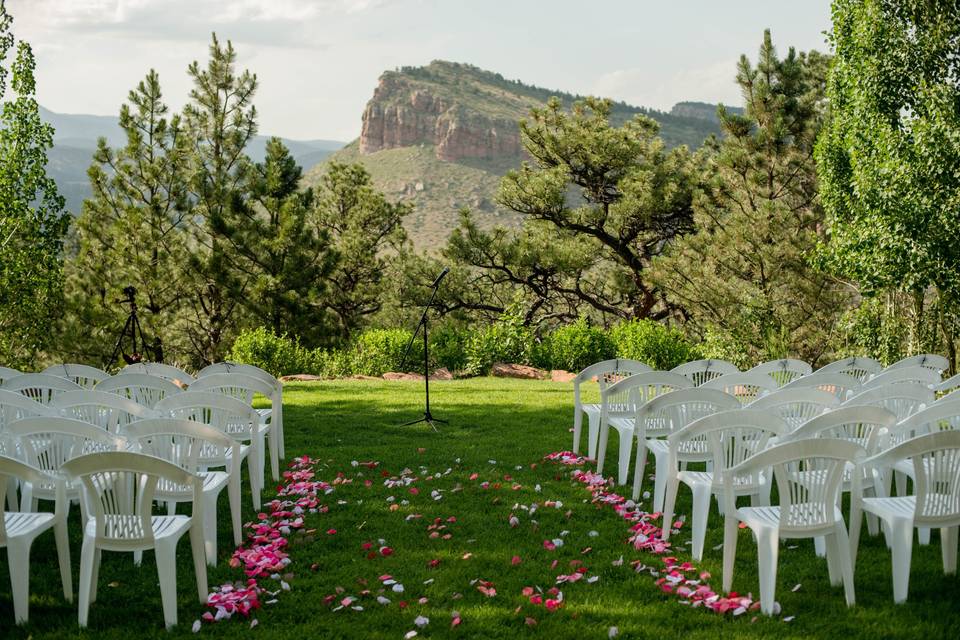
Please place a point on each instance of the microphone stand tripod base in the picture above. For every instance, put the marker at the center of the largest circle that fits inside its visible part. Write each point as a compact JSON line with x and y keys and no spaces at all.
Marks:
{"x":427,"y":418}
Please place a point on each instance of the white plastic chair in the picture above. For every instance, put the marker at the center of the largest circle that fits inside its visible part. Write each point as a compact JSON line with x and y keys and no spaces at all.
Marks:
{"x":275,"y":412}
{"x":606,"y":372}
{"x":745,"y":387}
{"x":230,"y":416}
{"x":842,"y":385}
{"x":699,"y":371}
{"x":903,"y":399}
{"x":160,"y":370}
{"x":618,"y":409}
{"x":119,"y":488}
{"x":796,"y":406}
{"x":731,"y":437}
{"x":41,"y":387}
{"x":16,"y":406}
{"x":19,"y":530}
{"x":84,"y":375}
{"x":188,"y":445}
{"x":6,"y":373}
{"x":860,"y":367}
{"x":903,"y":375}
{"x":48,"y":443}
{"x":935,"y":459}
{"x":139,"y":387}
{"x":806,"y":510}
{"x":931,"y":361}
{"x":108,"y":411}
{"x":859,"y":424}
{"x":783,"y":371}
{"x":662,"y":416}
{"x":244,"y":387}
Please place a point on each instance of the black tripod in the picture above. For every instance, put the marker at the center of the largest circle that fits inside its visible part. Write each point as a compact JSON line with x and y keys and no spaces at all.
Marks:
{"x":427,"y":416}
{"x":131,"y":331}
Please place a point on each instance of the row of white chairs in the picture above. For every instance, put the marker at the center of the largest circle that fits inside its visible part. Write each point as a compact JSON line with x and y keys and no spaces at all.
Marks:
{"x":149,"y":382}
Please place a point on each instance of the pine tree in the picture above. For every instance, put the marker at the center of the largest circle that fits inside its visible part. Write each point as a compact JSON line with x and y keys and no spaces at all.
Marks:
{"x":746,"y":272}
{"x":32,"y":217}
{"x":132,"y":231}
{"x":279,"y":254}
{"x":220,"y":120}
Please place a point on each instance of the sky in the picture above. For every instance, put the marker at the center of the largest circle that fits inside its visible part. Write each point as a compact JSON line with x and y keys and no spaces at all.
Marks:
{"x":318,"y":61}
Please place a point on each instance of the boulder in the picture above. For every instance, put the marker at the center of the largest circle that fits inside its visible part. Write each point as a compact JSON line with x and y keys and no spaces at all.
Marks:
{"x":300,"y":377}
{"x":440,"y":374}
{"x":559,"y":375}
{"x":522,"y":371}
{"x":360,"y":377}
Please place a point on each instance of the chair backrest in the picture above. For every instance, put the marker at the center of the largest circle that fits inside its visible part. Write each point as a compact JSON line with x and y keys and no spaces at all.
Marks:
{"x":14,"y":470}
{"x":936,"y":479}
{"x":931,"y":361}
{"x":842,"y":385}
{"x":120,"y":488}
{"x":606,"y":372}
{"x":229,"y":415}
{"x":675,"y":410}
{"x":900,"y":375}
{"x":235,"y":385}
{"x":699,"y":371}
{"x":6,"y":373}
{"x":732,"y":437}
{"x":108,"y":411}
{"x":783,"y":371}
{"x":140,"y":387}
{"x":41,"y":387}
{"x":745,"y":386}
{"x":83,"y":374}
{"x":796,"y":406}
{"x":943,"y":415}
{"x":948,"y":385}
{"x":808,"y":475}
{"x":631,"y":392}
{"x":188,"y":444}
{"x":160,"y":370}
{"x":48,"y":442}
{"x":860,"y":367}
{"x":903,"y":399}
{"x":860,"y":424}
{"x":246,"y":369}
{"x":15,"y":406}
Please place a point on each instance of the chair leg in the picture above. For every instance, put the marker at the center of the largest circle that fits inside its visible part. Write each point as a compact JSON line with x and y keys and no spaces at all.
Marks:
{"x":577,"y":428}
{"x":277,"y":423}
{"x":638,"y":468}
{"x":137,"y":558}
{"x":669,"y":502}
{"x":833,"y":563}
{"x":768,"y":550}
{"x":856,"y":518}
{"x":97,"y":557}
{"x":900,"y":479}
{"x":626,"y":448}
{"x":948,"y":549}
{"x":274,"y":455}
{"x":166,"y":553}
{"x":661,"y":462}
{"x":593,"y":435}
{"x":820,"y":547}
{"x":601,"y":447}
{"x":701,"y":514}
{"x":901,"y":538}
{"x":63,"y":556}
{"x":18,"y":558}
{"x":730,"y":527}
{"x":923,"y":535}
{"x":233,"y":496}
{"x":210,"y":528}
{"x":199,"y":566}
{"x":86,"y":578}
{"x":262,"y":457}
{"x":842,"y":545}
{"x":256,"y":482}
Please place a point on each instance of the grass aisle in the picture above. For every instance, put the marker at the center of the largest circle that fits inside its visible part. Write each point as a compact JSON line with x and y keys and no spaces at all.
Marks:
{"x":451,"y":554}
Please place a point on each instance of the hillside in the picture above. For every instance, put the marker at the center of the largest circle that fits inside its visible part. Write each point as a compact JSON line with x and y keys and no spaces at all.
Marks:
{"x":442,"y":136}
{"x":75,"y":140}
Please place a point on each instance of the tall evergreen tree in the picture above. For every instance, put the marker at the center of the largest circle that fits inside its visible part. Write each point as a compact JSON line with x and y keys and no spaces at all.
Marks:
{"x":32,"y":217}
{"x":746,"y":271}
{"x":132,"y":231}
{"x":220,"y":120}
{"x":279,"y":254}
{"x":366,"y":232}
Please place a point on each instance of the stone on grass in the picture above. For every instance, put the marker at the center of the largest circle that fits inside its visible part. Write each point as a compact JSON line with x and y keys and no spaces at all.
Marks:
{"x":504,"y":370}
{"x":300,"y":377}
{"x":559,"y":375}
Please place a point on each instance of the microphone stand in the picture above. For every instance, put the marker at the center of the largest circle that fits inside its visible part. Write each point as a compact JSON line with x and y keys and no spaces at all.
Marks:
{"x":423,"y":324}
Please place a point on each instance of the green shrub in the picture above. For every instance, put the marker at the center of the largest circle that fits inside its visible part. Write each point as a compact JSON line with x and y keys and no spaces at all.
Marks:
{"x":575,"y":346}
{"x":280,"y":355}
{"x":448,"y":347}
{"x":506,"y":340}
{"x":656,"y":344}
{"x":720,"y":345}
{"x":376,"y":351}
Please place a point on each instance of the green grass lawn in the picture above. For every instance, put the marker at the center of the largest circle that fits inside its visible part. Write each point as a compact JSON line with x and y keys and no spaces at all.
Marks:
{"x":496,"y":428}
